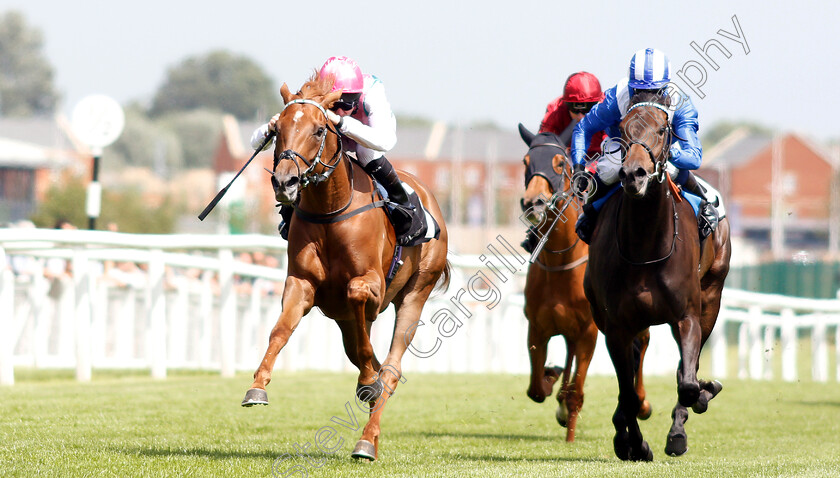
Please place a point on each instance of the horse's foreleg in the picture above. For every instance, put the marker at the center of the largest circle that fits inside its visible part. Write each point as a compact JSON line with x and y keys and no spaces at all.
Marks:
{"x":688,"y":335}
{"x":390,"y":374}
{"x":677,"y":442}
{"x":363,"y":296}
{"x":584,"y":349}
{"x":640,"y":345}
{"x":628,"y":443}
{"x":298,"y":296}
{"x":541,"y":383}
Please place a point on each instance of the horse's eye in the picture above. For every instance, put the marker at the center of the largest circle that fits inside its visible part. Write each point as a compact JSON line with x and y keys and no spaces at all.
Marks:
{"x":319,"y":132}
{"x":663,"y":130}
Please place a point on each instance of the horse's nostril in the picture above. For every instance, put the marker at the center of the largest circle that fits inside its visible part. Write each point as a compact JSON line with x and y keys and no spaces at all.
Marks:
{"x":640,"y":172}
{"x":622,"y":174}
{"x":291,"y":182}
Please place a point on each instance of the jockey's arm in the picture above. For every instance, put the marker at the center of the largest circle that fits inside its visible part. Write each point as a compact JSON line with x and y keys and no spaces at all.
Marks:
{"x":381,"y":132}
{"x":600,"y":117}
{"x":686,"y":154}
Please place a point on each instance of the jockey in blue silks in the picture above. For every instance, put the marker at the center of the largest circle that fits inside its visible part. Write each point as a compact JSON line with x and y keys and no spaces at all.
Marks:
{"x":650,"y":71}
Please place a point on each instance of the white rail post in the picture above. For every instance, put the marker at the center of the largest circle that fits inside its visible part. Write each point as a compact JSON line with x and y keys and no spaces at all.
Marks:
{"x":743,"y":350}
{"x":717,"y":344}
{"x":769,"y":343}
{"x":227,"y":313}
{"x":205,"y":345}
{"x":789,"y":345}
{"x":83,"y":310}
{"x":819,"y":352}
{"x":7,"y":305}
{"x":756,"y":344}
{"x":837,"y":349}
{"x":179,"y":337}
{"x":157,"y":315}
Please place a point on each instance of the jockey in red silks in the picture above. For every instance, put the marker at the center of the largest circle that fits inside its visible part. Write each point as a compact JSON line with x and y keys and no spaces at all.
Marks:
{"x":363,"y":115}
{"x":581,"y":92}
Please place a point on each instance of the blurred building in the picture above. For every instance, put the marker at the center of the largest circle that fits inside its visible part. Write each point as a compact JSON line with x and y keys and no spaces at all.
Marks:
{"x":33,"y":153}
{"x":780,"y":192}
{"x":476,"y":174}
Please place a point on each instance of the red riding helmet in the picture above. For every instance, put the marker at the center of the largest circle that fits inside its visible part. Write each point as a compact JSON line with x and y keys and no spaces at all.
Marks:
{"x":348,"y":75}
{"x":582,"y":87}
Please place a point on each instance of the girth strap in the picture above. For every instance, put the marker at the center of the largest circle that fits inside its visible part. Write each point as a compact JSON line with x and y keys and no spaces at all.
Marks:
{"x":327,"y":219}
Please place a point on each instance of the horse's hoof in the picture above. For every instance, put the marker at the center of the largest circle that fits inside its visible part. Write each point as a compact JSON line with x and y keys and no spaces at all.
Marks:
{"x":708,"y":392}
{"x":365,"y":450}
{"x":676,"y":445}
{"x":621,"y":446}
{"x":688,"y":393}
{"x":645,"y":411}
{"x":369,"y":393}
{"x":644,"y":454}
{"x":255,"y":396}
{"x":562,"y":415}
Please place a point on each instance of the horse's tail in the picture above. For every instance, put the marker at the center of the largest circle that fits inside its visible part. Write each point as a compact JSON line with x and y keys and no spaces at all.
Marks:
{"x":443,"y":282}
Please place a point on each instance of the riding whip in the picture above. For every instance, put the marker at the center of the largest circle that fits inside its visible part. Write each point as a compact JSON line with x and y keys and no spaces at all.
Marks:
{"x":221,"y":193}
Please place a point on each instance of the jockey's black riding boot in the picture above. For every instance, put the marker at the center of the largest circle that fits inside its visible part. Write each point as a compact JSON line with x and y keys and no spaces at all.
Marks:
{"x":286,"y":211}
{"x":383,"y":172}
{"x":530,"y":241}
{"x":708,"y":218}
{"x":588,"y":218}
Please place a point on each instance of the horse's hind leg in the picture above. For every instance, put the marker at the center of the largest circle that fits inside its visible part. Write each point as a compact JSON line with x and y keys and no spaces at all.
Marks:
{"x":677,"y":442}
{"x":298,"y":298}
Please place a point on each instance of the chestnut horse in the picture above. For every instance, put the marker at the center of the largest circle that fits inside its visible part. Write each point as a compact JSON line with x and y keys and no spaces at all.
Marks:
{"x":647,"y":267}
{"x":341,"y":245}
{"x":555,"y":303}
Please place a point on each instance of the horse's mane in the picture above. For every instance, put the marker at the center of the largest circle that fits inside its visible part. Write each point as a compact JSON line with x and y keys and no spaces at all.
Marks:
{"x":316,"y":87}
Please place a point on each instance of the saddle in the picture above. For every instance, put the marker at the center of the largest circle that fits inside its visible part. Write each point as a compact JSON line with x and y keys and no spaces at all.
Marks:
{"x":422,"y":227}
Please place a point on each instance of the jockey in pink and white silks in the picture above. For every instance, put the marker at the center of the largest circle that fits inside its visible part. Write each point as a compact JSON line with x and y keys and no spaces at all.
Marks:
{"x":363,"y":115}
{"x":650,"y":72}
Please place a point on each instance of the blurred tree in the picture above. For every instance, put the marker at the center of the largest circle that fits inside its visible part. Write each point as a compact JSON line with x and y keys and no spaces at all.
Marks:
{"x":144,"y":143}
{"x":26,"y":77}
{"x":198,"y":133}
{"x":718,"y":131}
{"x":127,"y":208}
{"x":219,"y":80}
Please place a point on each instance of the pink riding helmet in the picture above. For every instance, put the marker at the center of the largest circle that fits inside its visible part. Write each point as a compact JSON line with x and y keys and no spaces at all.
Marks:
{"x":348,"y":75}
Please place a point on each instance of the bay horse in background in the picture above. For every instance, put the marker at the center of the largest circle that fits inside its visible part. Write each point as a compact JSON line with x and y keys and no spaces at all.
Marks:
{"x":341,"y":244}
{"x":647,"y":267}
{"x":555,"y":303}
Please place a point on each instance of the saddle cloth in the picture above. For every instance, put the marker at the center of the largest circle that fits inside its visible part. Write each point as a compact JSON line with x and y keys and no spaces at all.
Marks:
{"x":712,"y":194}
{"x":424,"y":228}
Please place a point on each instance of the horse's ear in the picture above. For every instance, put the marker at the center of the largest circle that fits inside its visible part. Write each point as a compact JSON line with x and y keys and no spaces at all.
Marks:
{"x":285,"y":94}
{"x":526,"y":135}
{"x":331,"y":98}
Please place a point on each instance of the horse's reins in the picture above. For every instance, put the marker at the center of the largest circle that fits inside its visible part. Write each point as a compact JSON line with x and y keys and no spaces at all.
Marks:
{"x":659,"y":173}
{"x":541,"y":244}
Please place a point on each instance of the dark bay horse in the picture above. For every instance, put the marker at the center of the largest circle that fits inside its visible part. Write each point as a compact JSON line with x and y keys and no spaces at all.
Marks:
{"x":340,"y":250}
{"x":555,"y":303}
{"x":647,"y":267}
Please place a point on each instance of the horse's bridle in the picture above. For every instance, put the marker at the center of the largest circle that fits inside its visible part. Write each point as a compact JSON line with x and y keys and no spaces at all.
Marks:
{"x":659,"y":164}
{"x":660,"y":172}
{"x":558,"y":195}
{"x":309,"y":176}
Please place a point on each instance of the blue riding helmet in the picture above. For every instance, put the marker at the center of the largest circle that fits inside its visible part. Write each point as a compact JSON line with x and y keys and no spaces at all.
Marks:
{"x":650,"y":69}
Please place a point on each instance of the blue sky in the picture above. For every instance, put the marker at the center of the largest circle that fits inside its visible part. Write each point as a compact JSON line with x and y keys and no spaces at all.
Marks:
{"x":467,"y":61}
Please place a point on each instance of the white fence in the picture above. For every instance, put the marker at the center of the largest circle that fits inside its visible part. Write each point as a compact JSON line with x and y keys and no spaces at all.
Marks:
{"x":196,"y":307}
